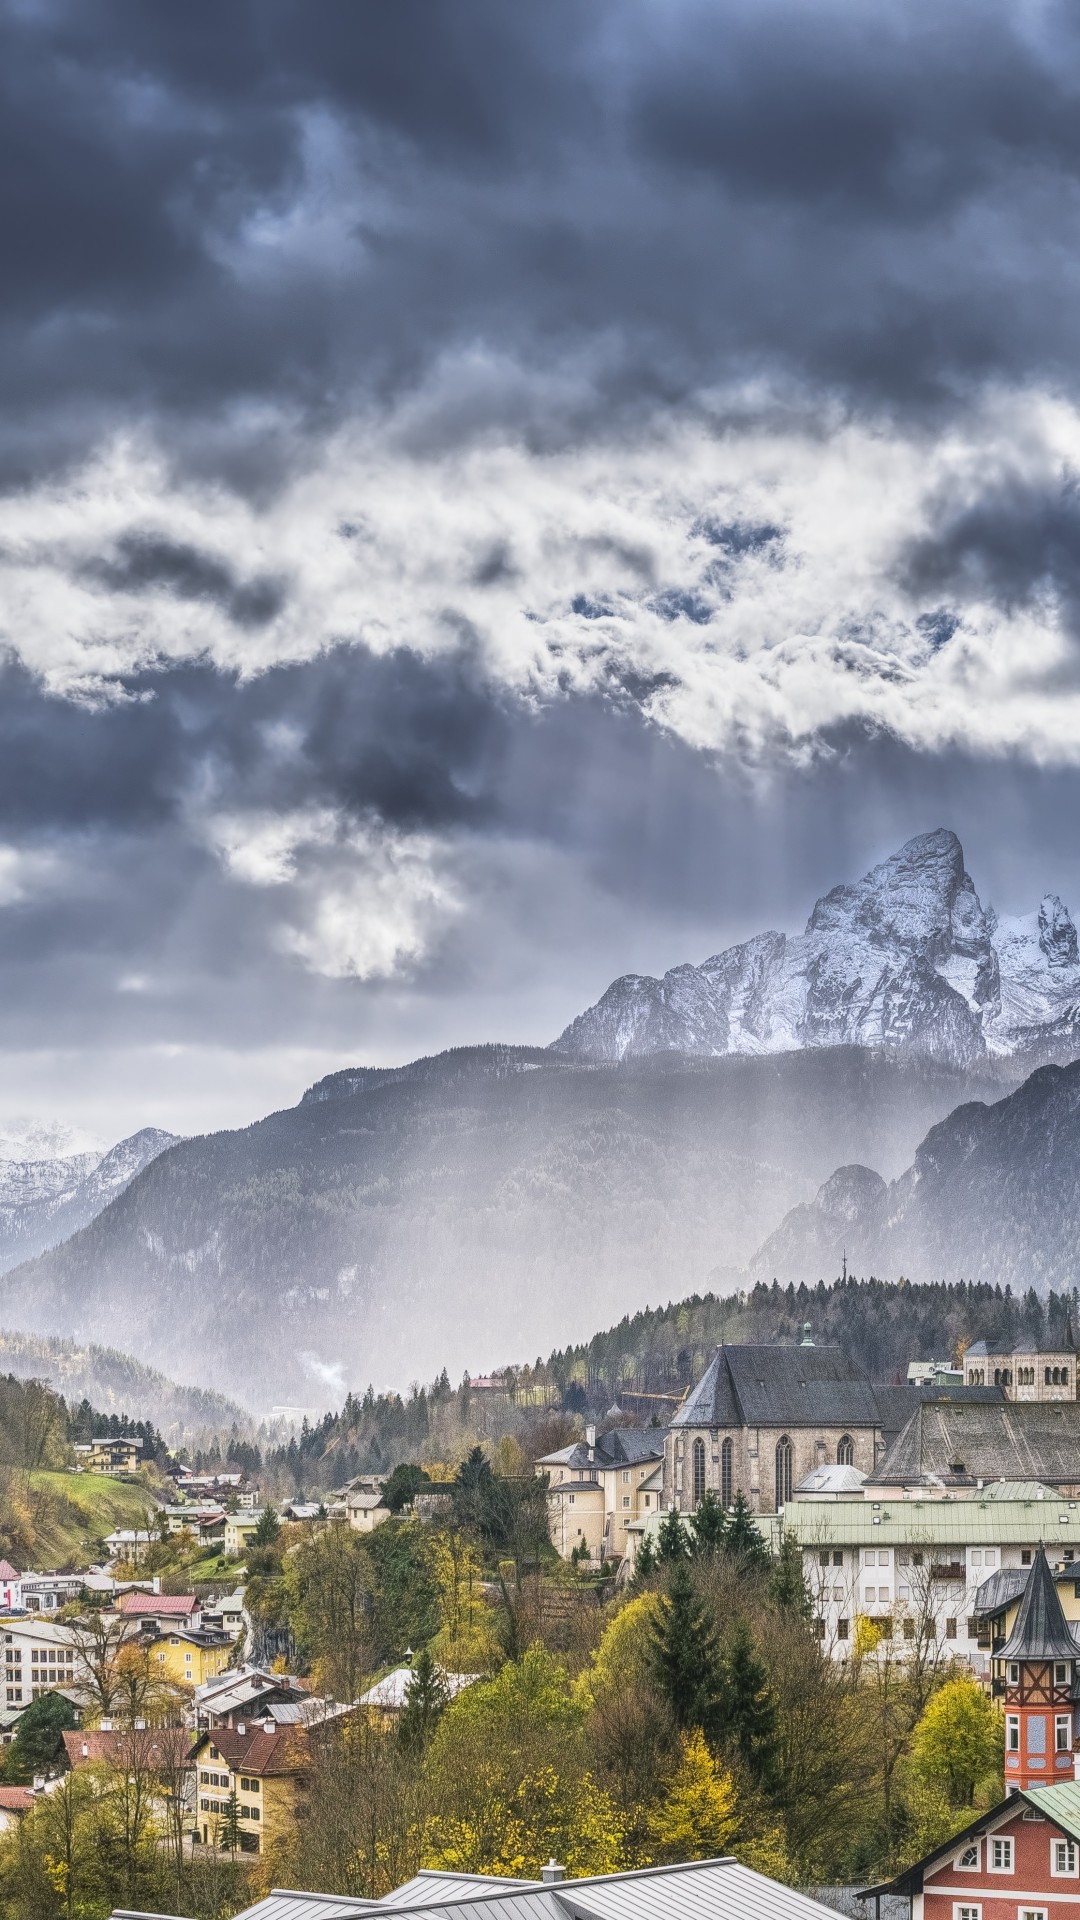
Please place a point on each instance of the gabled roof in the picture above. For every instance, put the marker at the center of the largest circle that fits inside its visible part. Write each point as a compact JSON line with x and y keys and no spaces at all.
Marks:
{"x":622,"y":1447}
{"x":765,"y":1386}
{"x":268,"y":1755}
{"x":1040,"y":1631}
{"x":8,"y":1572}
{"x":1059,"y":1804}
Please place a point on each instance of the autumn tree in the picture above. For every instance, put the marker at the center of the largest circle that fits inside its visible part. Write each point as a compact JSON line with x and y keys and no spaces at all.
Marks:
{"x":957,"y":1741}
{"x":697,"y":1814}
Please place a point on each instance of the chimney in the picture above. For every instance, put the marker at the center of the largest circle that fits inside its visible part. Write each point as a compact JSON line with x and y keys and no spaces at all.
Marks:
{"x":590,"y":1437}
{"x":86,"y":1750}
{"x":241,"y":1726}
{"x":551,"y":1873}
{"x":106,"y":1724}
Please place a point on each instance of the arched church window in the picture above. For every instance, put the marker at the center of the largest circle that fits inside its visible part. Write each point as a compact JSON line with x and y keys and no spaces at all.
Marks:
{"x":699,"y":1472}
{"x":727,"y":1474}
{"x":785,"y":1454}
{"x":845,"y":1452}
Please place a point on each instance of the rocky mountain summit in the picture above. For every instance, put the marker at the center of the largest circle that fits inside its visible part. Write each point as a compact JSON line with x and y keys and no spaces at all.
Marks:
{"x":905,"y":958}
{"x":43,"y":1200}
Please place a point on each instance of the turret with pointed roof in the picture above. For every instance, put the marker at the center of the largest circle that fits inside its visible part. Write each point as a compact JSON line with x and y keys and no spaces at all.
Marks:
{"x":1040,"y":1630}
{"x":1039,"y":1666}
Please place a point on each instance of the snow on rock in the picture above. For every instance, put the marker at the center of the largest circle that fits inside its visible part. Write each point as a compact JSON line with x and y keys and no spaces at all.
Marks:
{"x":906,"y":957}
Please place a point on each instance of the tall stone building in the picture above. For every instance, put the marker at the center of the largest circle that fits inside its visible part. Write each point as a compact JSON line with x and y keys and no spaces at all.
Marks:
{"x":1023,"y":1372}
{"x":761,"y":1418}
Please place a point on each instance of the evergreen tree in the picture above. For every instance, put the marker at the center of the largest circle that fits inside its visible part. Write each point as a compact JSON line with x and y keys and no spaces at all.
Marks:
{"x":38,"y":1746}
{"x":671,"y":1542}
{"x":267,"y":1529}
{"x":686,"y":1655}
{"x":426,"y":1699}
{"x":645,"y":1561}
{"x":743,"y":1539}
{"x":708,"y":1526}
{"x":787,"y":1581}
{"x":747,"y":1709}
{"x":229,"y":1830}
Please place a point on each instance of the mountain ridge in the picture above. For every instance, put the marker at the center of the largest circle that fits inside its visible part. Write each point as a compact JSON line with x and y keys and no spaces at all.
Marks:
{"x":905,"y":959}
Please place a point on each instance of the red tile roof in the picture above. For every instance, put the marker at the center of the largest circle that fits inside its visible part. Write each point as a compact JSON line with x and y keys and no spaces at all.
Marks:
{"x":172,"y":1603}
{"x":16,"y":1799}
{"x":156,"y":1748}
{"x":8,"y":1572}
{"x":260,"y":1753}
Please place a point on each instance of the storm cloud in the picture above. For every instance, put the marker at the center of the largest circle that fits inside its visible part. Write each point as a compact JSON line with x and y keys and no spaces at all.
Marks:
{"x":493,"y":497}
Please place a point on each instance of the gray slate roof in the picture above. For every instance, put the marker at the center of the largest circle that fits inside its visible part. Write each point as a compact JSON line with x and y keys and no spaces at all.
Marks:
{"x":780,"y":1387}
{"x":622,"y":1447}
{"x":1040,"y":1631}
{"x":999,"y":1440}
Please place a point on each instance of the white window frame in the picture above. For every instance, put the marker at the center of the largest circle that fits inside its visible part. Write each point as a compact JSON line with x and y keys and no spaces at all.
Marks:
{"x":1005,"y":1841}
{"x":969,"y":1866}
{"x":1061,"y":1672}
{"x":1012,"y":1726}
{"x":1012,"y":1673}
{"x":967,"y":1910}
{"x":1063,"y":1721}
{"x":1031,"y":1913}
{"x":1064,"y":1873}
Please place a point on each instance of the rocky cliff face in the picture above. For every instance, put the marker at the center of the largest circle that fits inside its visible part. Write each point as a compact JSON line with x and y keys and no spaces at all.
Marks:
{"x":905,"y":958}
{"x":993,"y":1194}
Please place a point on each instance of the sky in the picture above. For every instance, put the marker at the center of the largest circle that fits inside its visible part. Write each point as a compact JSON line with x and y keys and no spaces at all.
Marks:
{"x":495,"y":497}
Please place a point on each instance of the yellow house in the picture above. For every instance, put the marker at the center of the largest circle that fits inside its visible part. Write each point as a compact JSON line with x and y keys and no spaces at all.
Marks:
{"x":239,"y":1529}
{"x":110,"y":1454}
{"x":599,"y":1487}
{"x":265,"y":1771}
{"x":190,"y":1656}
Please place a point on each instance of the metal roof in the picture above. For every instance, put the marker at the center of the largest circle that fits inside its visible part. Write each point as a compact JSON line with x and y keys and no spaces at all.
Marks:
{"x":967,"y":1522}
{"x":1040,"y":1630}
{"x":699,"y":1890}
{"x":429,"y":1884}
{"x":1061,"y":1802}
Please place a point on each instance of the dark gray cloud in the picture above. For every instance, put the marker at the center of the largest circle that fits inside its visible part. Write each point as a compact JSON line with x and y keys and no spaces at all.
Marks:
{"x":885,"y":208}
{"x":229,"y":233}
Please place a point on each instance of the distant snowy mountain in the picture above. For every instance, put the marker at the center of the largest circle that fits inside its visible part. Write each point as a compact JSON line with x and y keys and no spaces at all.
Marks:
{"x":43,"y":1200}
{"x":906,"y":958}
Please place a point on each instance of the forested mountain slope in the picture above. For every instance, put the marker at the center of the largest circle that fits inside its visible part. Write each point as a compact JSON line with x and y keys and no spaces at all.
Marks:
{"x":489,"y":1202}
{"x":993,"y":1194}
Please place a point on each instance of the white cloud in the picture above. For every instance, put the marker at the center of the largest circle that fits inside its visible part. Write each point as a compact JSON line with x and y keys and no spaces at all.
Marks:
{"x":365,"y":901}
{"x":392,"y":535}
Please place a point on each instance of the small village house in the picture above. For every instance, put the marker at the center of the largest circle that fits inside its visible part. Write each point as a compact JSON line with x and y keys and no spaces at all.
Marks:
{"x":15,"y":1803}
{"x":266,"y":1771}
{"x":190,"y":1656}
{"x":239,"y":1531}
{"x":109,"y":1454}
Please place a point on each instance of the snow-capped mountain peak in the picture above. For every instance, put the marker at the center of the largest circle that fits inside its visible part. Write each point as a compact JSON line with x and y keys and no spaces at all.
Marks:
{"x":906,"y":957}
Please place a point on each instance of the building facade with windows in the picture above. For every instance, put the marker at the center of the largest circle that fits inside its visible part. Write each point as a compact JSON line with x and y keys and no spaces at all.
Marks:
{"x":1020,"y":1861}
{"x":1024,"y":1372}
{"x":601,"y":1486}
{"x":917,"y":1570}
{"x":260,"y":1773}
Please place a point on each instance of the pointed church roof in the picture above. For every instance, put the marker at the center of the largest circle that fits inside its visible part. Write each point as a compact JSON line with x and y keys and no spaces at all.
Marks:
{"x":1041,"y":1631}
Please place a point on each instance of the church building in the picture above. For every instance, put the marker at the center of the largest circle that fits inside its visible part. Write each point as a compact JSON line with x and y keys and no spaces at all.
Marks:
{"x":763,"y":1417}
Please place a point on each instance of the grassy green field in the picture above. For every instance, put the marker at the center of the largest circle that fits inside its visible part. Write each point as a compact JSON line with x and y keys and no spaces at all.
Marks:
{"x":73,"y":1512}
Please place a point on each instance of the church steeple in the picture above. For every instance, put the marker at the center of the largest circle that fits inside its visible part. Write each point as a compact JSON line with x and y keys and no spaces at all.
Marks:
{"x":1040,"y":1662}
